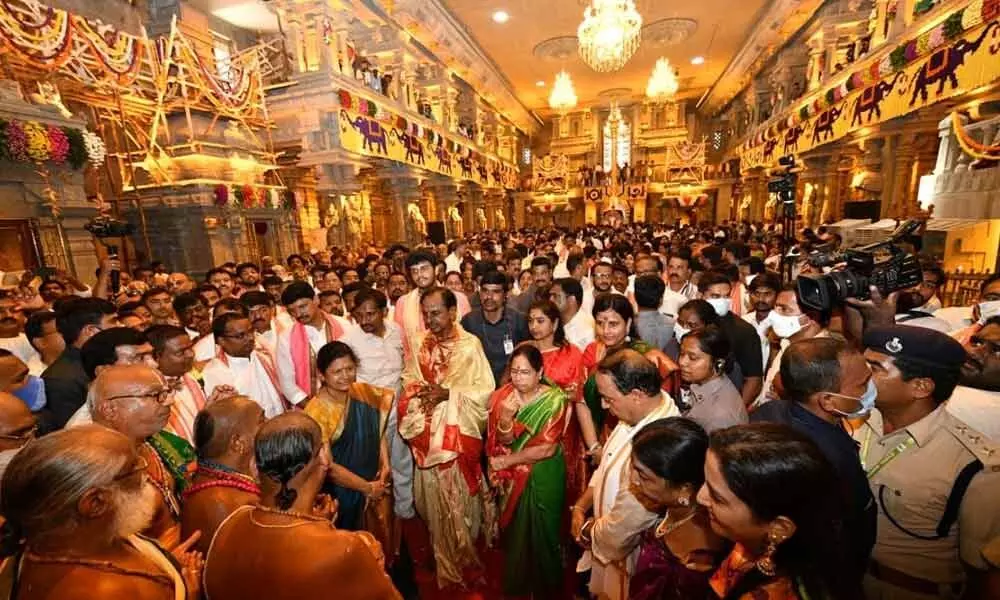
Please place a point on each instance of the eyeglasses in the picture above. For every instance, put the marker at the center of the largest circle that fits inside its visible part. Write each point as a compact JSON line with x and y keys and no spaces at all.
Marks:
{"x":141,"y":464}
{"x":22,"y":435}
{"x":160,"y":396}
{"x":242,"y":336}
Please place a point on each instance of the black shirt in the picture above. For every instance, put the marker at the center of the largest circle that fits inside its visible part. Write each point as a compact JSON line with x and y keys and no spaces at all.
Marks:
{"x":511,"y":325}
{"x":65,"y":390}
{"x":861,"y":517}
{"x":747,"y":358}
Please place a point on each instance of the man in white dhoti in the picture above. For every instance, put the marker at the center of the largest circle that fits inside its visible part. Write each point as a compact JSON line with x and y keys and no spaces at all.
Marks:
{"x":629,"y":385}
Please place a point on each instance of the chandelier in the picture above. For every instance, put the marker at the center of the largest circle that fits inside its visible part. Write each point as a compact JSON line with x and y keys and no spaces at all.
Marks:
{"x":562,"y":98}
{"x":609,"y":34}
{"x":662,"y":82}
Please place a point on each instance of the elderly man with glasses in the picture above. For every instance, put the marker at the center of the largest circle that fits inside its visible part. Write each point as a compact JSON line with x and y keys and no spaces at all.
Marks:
{"x":135,"y":400}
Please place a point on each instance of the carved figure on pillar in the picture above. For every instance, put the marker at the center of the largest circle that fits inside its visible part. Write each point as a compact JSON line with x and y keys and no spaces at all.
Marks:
{"x":769,"y":208}
{"x":416,"y":225}
{"x":332,"y":221}
{"x":456,"y":222}
{"x":354,"y":215}
{"x":501,"y":220}
{"x":481,"y":219}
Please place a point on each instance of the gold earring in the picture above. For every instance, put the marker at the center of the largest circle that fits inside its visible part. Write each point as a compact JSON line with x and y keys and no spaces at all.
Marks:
{"x":765,"y":564}
{"x":683,"y":501}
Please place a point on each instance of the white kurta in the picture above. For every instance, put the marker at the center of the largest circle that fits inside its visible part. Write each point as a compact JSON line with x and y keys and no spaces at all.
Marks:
{"x":381,"y":358}
{"x":619,"y":519}
{"x":250,"y":379}
{"x":580,"y":330}
{"x":283,"y":356}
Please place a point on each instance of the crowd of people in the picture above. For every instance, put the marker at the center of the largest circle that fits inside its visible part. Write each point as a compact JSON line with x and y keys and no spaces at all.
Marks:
{"x":646,"y":412}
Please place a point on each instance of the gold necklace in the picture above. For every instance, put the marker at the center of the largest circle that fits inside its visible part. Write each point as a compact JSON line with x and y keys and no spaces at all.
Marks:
{"x":100,"y":565}
{"x":664,"y":529}
{"x":304,"y":518}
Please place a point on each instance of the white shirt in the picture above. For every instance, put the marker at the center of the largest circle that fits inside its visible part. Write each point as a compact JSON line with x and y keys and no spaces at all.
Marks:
{"x":381,"y":358}
{"x":20,"y":347}
{"x":452,"y":263}
{"x":283,"y":356}
{"x":580,"y":329}
{"x":762,"y":327}
{"x":204,"y":349}
{"x":268,"y":339}
{"x":959,"y":317}
{"x":249,"y":378}
{"x":610,"y":483}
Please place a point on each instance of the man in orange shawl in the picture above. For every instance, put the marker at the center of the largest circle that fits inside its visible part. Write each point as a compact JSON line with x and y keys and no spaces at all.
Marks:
{"x":447,"y":383}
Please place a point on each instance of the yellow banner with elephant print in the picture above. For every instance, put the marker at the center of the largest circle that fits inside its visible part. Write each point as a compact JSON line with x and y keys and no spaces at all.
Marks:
{"x":959,"y":55}
{"x":391,"y":137}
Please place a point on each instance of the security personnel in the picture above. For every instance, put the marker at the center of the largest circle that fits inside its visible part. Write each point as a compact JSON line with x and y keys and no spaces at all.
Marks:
{"x":936,"y":480}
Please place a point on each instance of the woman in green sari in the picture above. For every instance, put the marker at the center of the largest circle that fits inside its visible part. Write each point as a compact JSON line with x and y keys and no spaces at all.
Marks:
{"x":524,"y":443}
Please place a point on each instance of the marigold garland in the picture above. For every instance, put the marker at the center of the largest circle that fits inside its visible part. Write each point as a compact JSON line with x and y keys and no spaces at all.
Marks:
{"x":970,"y":146}
{"x":38,"y":141}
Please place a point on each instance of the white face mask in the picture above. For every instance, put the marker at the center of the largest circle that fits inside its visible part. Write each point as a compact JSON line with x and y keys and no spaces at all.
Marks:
{"x":988,"y":310}
{"x":680,"y":332}
{"x":784,"y":326}
{"x":721,"y":305}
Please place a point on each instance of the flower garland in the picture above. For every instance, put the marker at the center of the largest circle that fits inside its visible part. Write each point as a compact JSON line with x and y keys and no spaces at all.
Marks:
{"x":970,"y":146}
{"x":247,"y":197}
{"x":950,"y":29}
{"x":58,"y":145}
{"x":96,"y":150}
{"x":31,"y":141}
{"x":37,"y":138}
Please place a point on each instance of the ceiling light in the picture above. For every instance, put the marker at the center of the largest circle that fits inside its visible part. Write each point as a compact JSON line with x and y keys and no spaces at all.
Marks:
{"x":609,"y":34}
{"x":563,"y":97}
{"x":540,"y":83}
{"x":501,"y":16}
{"x":698,"y":60}
{"x":662,"y":82}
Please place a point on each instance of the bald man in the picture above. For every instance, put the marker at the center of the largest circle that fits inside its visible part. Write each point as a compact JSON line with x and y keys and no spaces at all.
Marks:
{"x":223,"y":437}
{"x":17,"y":428}
{"x":135,"y":400}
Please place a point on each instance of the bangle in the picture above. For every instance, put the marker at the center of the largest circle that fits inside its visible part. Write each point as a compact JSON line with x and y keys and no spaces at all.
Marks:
{"x":593,"y":446}
{"x":509,"y":429}
{"x":576,"y":507}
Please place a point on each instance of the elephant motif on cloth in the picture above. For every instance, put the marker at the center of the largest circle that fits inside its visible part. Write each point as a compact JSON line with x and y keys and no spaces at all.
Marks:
{"x":375,"y":136}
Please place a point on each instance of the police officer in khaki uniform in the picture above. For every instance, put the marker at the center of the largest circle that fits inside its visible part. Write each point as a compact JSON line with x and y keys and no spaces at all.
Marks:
{"x":936,"y":480}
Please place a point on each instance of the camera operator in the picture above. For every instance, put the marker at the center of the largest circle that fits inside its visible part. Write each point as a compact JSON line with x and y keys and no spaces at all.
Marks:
{"x":934,"y":477}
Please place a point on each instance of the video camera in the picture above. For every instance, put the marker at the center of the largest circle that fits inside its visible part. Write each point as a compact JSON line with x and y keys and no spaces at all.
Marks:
{"x":783,"y":184}
{"x":881,"y":264}
{"x":104,"y":227}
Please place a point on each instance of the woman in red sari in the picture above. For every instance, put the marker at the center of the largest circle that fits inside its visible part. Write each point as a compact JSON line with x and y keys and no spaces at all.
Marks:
{"x":564,"y":367}
{"x":613,"y":315}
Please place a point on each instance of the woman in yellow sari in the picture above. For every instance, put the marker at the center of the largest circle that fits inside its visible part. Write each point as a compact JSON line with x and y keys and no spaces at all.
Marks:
{"x":352,"y":417}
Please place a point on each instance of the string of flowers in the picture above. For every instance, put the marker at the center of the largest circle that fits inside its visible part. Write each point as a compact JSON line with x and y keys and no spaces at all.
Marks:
{"x":95,"y":148}
{"x":31,"y":141}
{"x":948,"y":30}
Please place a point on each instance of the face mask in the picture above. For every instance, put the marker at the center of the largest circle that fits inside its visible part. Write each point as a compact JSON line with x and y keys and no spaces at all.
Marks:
{"x":866,"y":402}
{"x":784,"y":326}
{"x":680,"y":332}
{"x":988,"y":310}
{"x":721,"y":305}
{"x":32,"y":393}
